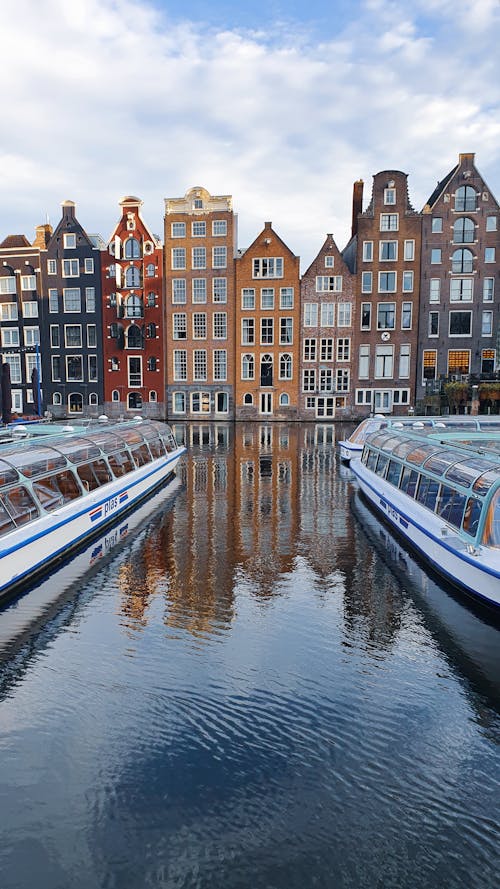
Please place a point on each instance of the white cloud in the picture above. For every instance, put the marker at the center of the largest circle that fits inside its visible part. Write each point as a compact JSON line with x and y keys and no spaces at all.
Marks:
{"x":109,"y":97}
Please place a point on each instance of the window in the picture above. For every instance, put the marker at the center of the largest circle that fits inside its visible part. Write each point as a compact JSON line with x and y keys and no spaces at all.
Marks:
{"x":92,"y":368}
{"x":69,"y":241}
{"x":89,"y":266}
{"x":51,"y":267}
{"x":219,"y":257}
{"x":91,"y":336}
{"x":487,"y":323}
{"x":220,"y":325}
{"x":461,"y":289}
{"x":286,"y":297}
{"x":407,"y":282}
{"x":364,"y":362}
{"x":115,"y":395}
{"x":326,"y":348}
{"x":134,"y":307}
{"x":134,"y":371}
{"x":284,"y":399}
{"x":462,"y":261}
{"x":270,"y":267}
{"x":220,"y":364}
{"x":266,"y":331}
{"x":389,"y":195}
{"x":329,"y":261}
{"x":14,"y":362}
{"x":489,"y":254}
{"x":199,"y":290}
{"x":267,"y":297}
{"x":73,"y":336}
{"x":248,"y":398}
{"x":285,"y":367}
{"x":8,"y":312}
{"x":437,"y":224}
{"x":464,"y":230}
{"x":71,"y":268}
{"x":115,"y":364}
{"x":199,"y":364}
{"x":342,"y":382}
{"x":309,"y":380}
{"x":366,"y":316}
{"x":429,"y":364}
{"x":286,"y":331}
{"x":367,"y":251}
{"x":384,"y":361}
{"x":386,"y":316}
{"x":56,"y":368}
{"x":32,"y":362}
{"x":329,"y":283}
{"x":200,"y":402}
{"x":199,"y":327}
{"x":72,"y":299}
{"x":198,"y":204}
{"x":151,"y":331}
{"x":178,"y":290}
{"x":389,"y":222}
{"x":387,"y":282}
{"x":248,"y":331}
{"x":180,"y":364}
{"x":247,"y":367}
{"x":434,"y":290}
{"x":219,"y":227}
{"x":219,"y":290}
{"x":343,"y":349}
{"x":460,"y":323}
{"x":198,"y":229}
{"x":491,"y":223}
{"x":344,"y":311}
{"x":30,"y":309}
{"x":458,"y":361}
{"x":132,"y":276}
{"x":28,"y":282}
{"x":366,"y":282}
{"x":10,"y":337}
{"x":134,"y":337}
{"x":150,"y":270}
{"x":388,"y":251}
{"x":179,"y":402}
{"x":406,"y":316}
{"x":7,"y":285}
{"x":248,"y":298}
{"x":178,"y":229}
{"x":199,"y":258}
{"x":327,"y":314}
{"x":90,"y":299}
{"x":409,"y":252}
{"x":325,"y":379}
{"x":153,"y":396}
{"x":310,"y":314}
{"x":309,"y":349}
{"x":465,"y":199}
{"x":433,"y":324}
{"x":487,"y":361}
{"x":179,"y":320}
{"x":404,"y":360}
{"x":435,"y":255}
{"x":488,"y":289}
{"x":74,"y":368}
{"x":178,"y":257}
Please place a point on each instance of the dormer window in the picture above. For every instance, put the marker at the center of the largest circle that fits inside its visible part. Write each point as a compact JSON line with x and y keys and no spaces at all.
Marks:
{"x":69,"y":241}
{"x":198,"y":204}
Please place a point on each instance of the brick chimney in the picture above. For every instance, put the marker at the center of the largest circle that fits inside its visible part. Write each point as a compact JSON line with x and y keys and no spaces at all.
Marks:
{"x":357,"y":204}
{"x":42,"y":236}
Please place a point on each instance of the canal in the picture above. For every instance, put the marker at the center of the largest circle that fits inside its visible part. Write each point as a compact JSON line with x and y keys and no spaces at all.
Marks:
{"x":249,"y":684}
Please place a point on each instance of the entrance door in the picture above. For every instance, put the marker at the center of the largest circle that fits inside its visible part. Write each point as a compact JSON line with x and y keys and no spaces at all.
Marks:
{"x":266,"y":402}
{"x":382,"y":401}
{"x":266,"y":370}
{"x":325,"y":406}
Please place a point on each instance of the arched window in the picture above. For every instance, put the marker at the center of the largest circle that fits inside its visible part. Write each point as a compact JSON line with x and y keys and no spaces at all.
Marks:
{"x":115,"y":395}
{"x":133,"y":306}
{"x":463,"y":230}
{"x":285,"y":366}
{"x":56,"y":398}
{"x":134,"y":337}
{"x":465,"y":198}
{"x":247,"y":367}
{"x":93,"y":400}
{"x":134,"y":401}
{"x":75,"y":403}
{"x":266,"y":370}
{"x":150,"y":270}
{"x":132,"y":276}
{"x":284,"y":399}
{"x":248,"y":398}
{"x":132,"y":249}
{"x":152,"y":396}
{"x":461,"y":261}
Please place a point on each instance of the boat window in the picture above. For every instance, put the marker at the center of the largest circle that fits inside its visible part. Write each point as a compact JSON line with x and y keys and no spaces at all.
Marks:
{"x":489,"y":425}
{"x":6,"y":523}
{"x":418,"y":455}
{"x":56,"y":490}
{"x":406,"y":446}
{"x":472,"y":516}
{"x":485,"y":481}
{"x":131,"y":436}
{"x":141,"y":455}
{"x":491,"y":533}
{"x":440,"y":462}
{"x":8,"y":475}
{"x":120,"y":463}
{"x":382,"y":462}
{"x":156,"y":447}
{"x":393,"y":472}
{"x":107,"y":442}
{"x":20,"y":505}
{"x":366,"y":428}
{"x":467,"y":472}
{"x":78,"y":450}
{"x":37,"y":461}
{"x":382,"y":438}
{"x":450,"y":505}
{"x":427,"y":492}
{"x":93,"y":475}
{"x":372,"y":460}
{"x":409,"y":480}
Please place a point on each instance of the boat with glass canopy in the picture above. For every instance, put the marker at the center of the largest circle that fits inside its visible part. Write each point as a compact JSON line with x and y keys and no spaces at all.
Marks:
{"x":441,"y":491}
{"x":59,"y":489}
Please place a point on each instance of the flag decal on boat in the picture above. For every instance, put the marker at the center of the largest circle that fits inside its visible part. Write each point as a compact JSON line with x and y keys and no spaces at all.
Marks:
{"x":95,"y":514}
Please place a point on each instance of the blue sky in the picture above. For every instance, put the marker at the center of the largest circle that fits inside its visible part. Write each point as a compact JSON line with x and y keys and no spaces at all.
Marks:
{"x":282,"y":106}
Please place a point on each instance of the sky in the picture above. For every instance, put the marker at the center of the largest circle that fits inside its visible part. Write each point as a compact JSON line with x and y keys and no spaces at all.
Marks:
{"x":283,"y":105}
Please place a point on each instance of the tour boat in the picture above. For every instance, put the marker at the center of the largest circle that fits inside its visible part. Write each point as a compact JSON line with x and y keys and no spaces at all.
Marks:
{"x":352,"y":447}
{"x":58,"y":489}
{"x":443,"y":496}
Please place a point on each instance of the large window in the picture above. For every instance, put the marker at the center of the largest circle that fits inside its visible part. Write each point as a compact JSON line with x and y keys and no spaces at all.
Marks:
{"x":219,"y":227}
{"x":433,"y":324}
{"x":220,"y":364}
{"x":200,"y":327}
{"x":132,"y":276}
{"x":458,"y":361}
{"x":343,"y":348}
{"x":72,"y":300}
{"x":366,"y":316}
{"x":247,"y":367}
{"x":90,"y":299}
{"x":71,"y":268}
{"x":327,"y":314}
{"x":465,"y":199}
{"x":344,"y":314}
{"x":219,"y":290}
{"x":309,"y":349}
{"x":461,"y":289}
{"x":10,"y":337}
{"x":132,"y":249}
{"x":488,"y":289}
{"x":429,"y":364}
{"x":463,"y":230}
{"x":8,"y":311}
{"x":387,"y":282}
{"x":270,"y":267}
{"x":329,"y":283}
{"x":178,"y":257}
{"x":487,"y":323}
{"x":434,"y":290}
{"x":178,"y":290}
{"x":309,"y":380}
{"x":267,"y":297}
{"x":310,"y":314}
{"x":134,"y":371}
{"x":179,"y":320}
{"x":73,"y":336}
{"x":199,"y":258}
{"x":286,"y":297}
{"x":178,"y":229}
{"x":220,"y":325}
{"x":248,"y":331}
{"x":199,"y":290}
{"x":384,"y":362}
{"x":14,"y":362}
{"x":248,"y":298}
{"x":388,"y":251}
{"x":462,"y":261}
{"x":267,"y":331}
{"x":200,"y":364}
{"x":180,"y":364}
{"x":74,"y":368}
{"x":460,"y":323}
{"x":404,"y":360}
{"x":199,"y":229}
{"x":386,"y":316}
{"x":8,"y":285}
{"x":285,"y":366}
{"x":219,"y":257}
{"x":389,"y":222}
{"x":286,"y":331}
{"x":364,"y":362}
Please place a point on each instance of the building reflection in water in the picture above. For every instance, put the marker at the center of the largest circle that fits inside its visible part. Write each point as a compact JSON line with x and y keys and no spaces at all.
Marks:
{"x":259,"y":502}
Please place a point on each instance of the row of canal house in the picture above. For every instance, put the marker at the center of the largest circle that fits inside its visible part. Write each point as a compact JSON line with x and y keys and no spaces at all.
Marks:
{"x":196,"y":328}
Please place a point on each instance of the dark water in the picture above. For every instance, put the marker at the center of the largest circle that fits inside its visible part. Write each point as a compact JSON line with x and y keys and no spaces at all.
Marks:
{"x":256,"y":688}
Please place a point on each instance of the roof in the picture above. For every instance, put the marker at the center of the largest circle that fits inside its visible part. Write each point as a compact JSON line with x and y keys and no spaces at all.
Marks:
{"x":15,"y":241}
{"x":440,"y":187}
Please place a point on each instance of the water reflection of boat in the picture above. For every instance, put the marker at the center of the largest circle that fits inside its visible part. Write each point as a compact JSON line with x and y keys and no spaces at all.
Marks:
{"x":57,"y":491}
{"x":35,"y":607}
{"x":469,"y":633}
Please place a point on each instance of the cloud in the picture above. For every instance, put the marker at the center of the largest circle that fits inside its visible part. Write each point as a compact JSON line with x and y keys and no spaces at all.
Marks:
{"x":112,"y":97}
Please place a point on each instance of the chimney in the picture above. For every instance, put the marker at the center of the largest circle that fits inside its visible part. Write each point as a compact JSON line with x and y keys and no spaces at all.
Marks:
{"x":467,"y":156}
{"x":43,"y":236}
{"x":357,"y":204}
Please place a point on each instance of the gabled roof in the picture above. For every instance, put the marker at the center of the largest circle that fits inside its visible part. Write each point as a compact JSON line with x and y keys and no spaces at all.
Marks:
{"x":14,"y":241}
{"x":440,"y":187}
